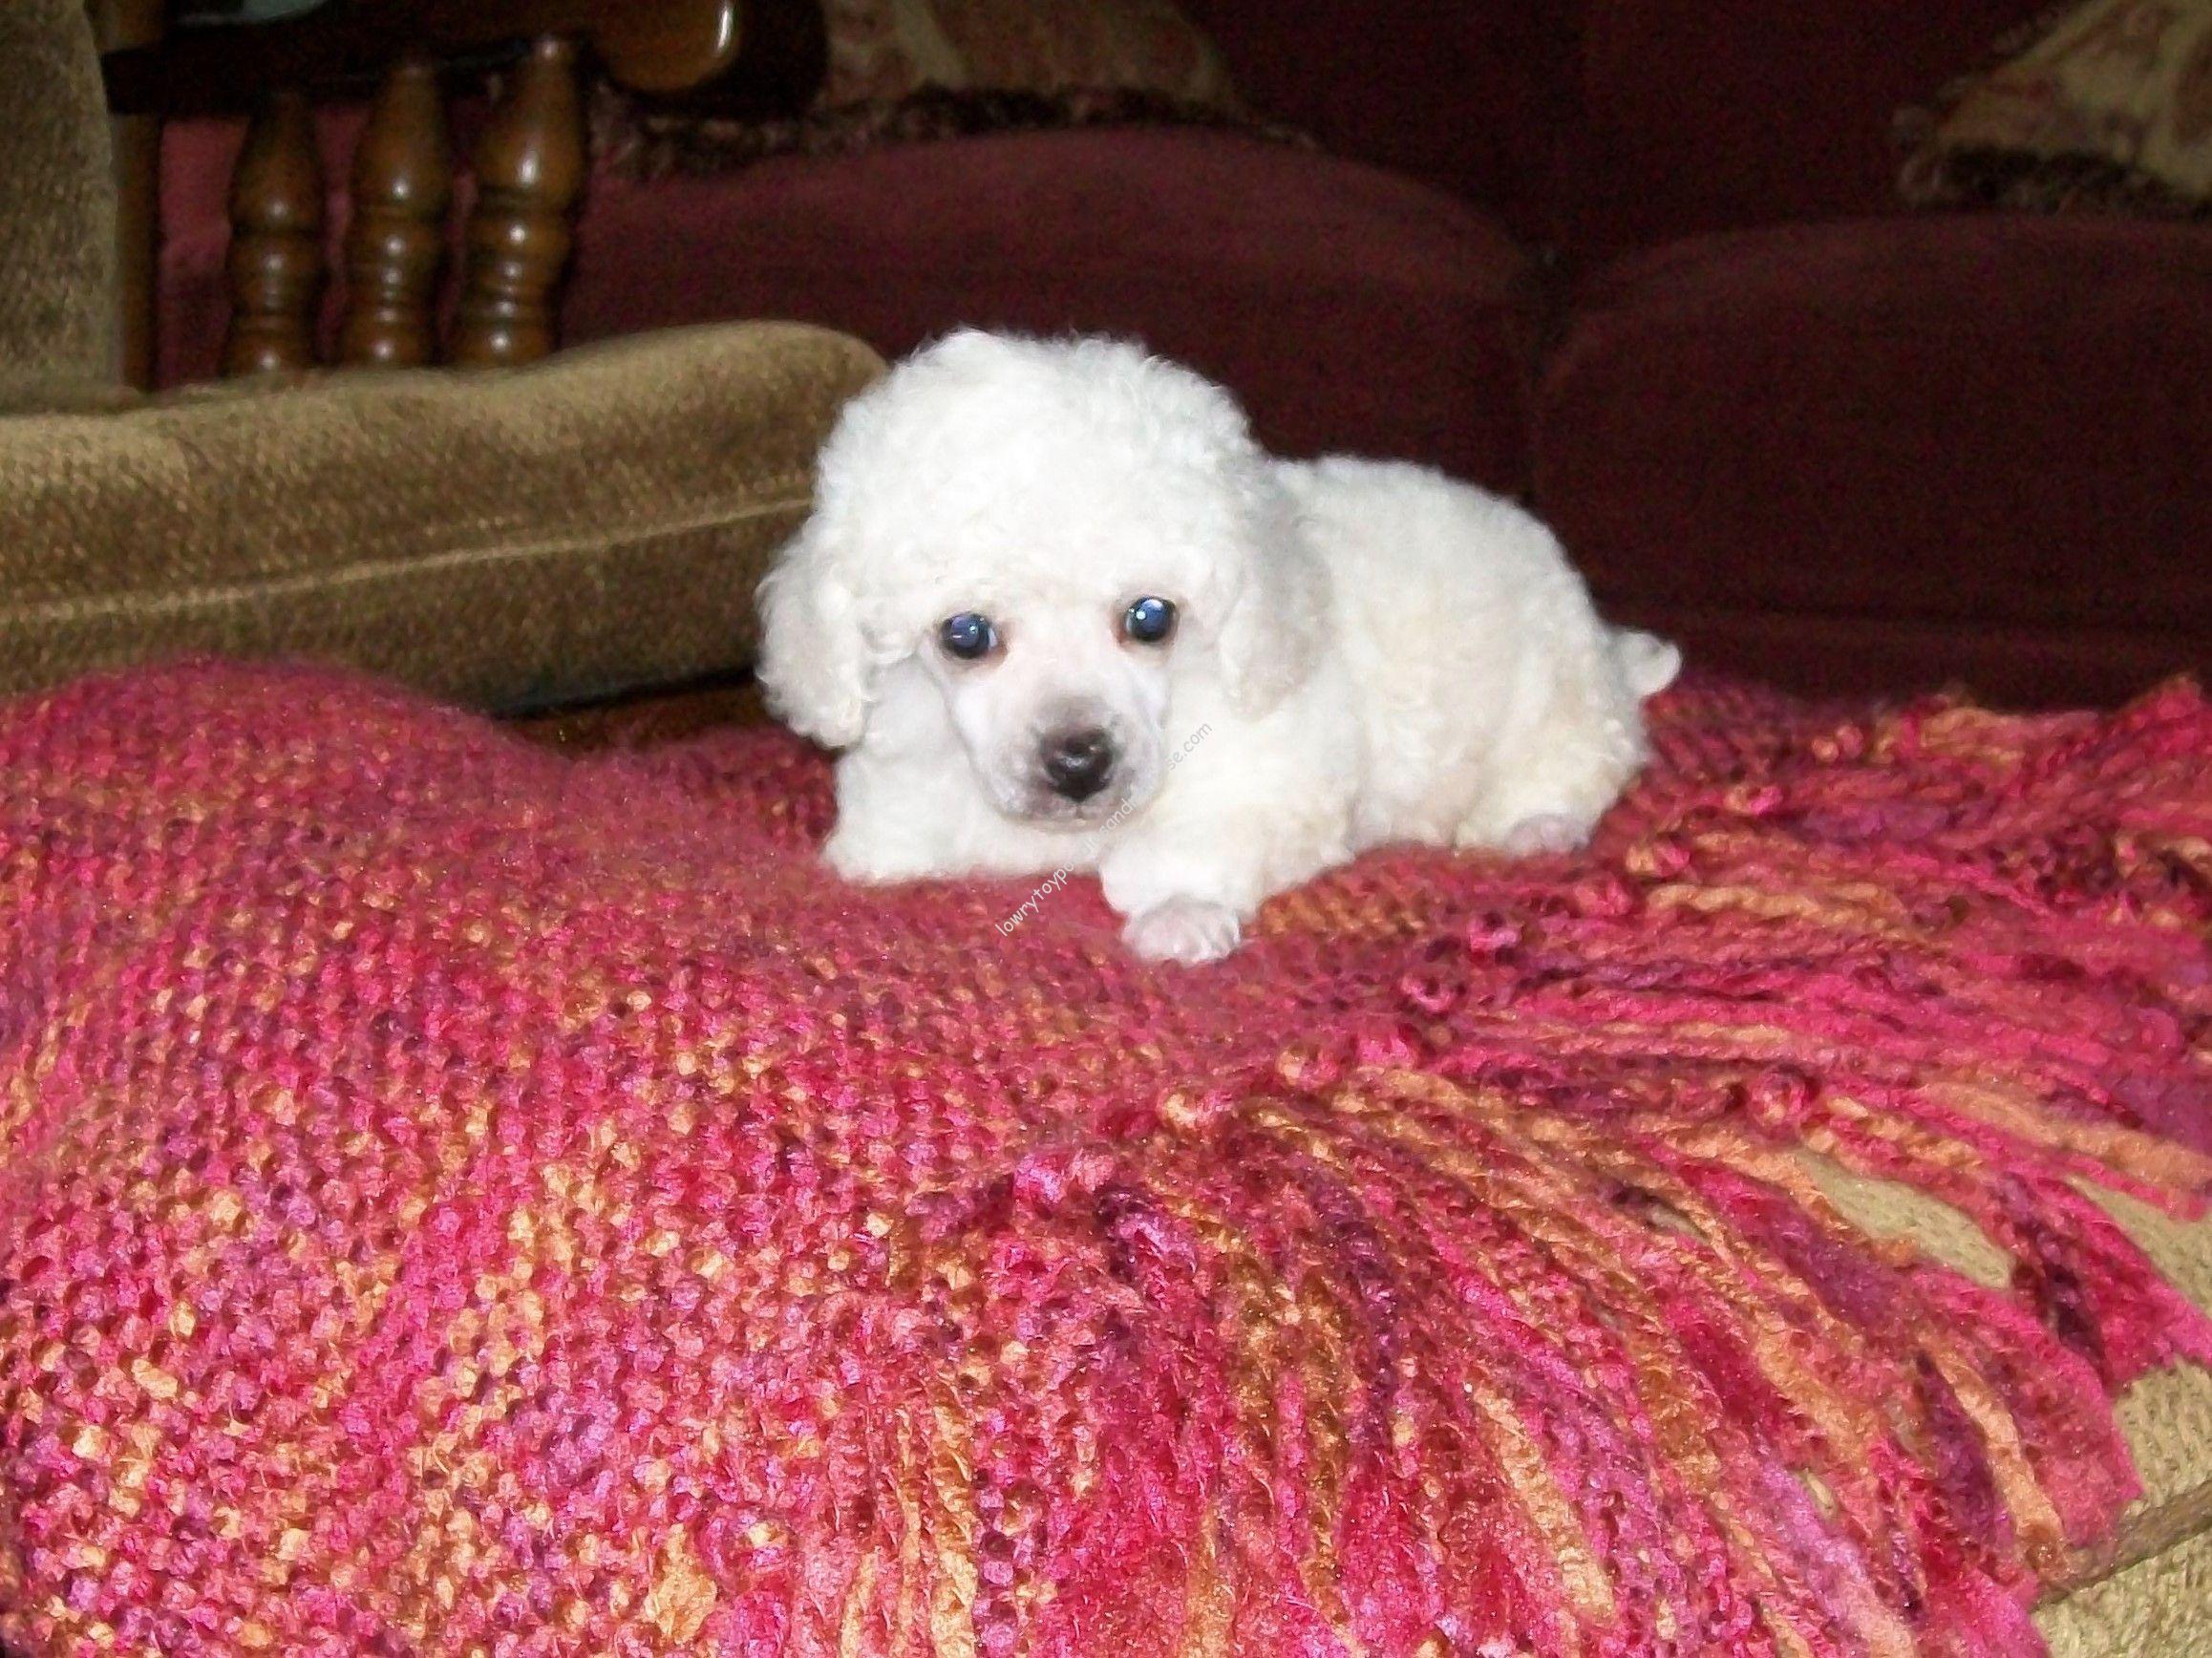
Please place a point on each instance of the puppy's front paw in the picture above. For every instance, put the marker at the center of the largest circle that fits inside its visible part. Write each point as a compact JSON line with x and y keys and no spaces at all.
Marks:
{"x":873,"y":861}
{"x":1544,"y":833}
{"x":1183,"y":930}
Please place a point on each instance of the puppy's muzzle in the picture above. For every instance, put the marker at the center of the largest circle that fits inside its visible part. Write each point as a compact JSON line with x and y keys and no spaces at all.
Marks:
{"x":1077,"y":762}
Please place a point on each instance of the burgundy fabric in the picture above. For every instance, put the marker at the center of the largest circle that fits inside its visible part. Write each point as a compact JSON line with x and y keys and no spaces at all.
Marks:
{"x":1610,"y":124}
{"x":1711,"y":114}
{"x":192,"y":307}
{"x":1472,"y":96}
{"x":1348,"y":308}
{"x":1988,"y":436}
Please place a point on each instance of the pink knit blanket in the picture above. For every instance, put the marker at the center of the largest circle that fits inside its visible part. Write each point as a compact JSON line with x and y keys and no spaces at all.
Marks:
{"x":458,"y":1198}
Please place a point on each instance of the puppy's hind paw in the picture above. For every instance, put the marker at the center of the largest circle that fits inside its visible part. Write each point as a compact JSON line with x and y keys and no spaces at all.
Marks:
{"x":1183,"y":930}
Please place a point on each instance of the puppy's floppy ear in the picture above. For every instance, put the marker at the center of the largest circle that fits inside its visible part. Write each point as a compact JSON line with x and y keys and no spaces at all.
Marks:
{"x":814,"y":658}
{"x":1272,"y":632}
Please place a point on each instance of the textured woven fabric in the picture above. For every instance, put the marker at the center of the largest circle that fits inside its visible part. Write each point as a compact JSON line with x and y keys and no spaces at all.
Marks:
{"x":457,"y":1197}
{"x":594,"y":522}
{"x":57,"y":195}
{"x":2156,"y":1610}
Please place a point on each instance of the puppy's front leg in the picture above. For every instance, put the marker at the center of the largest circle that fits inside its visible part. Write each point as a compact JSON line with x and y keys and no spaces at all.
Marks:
{"x":1185,"y":930}
{"x":1189,"y":878}
{"x":866,"y":860}
{"x":883,"y":833}
{"x":907,"y":808}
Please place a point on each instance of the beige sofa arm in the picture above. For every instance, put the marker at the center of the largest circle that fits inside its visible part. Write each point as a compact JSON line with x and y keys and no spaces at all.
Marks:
{"x":593,"y":523}
{"x":58,"y":206}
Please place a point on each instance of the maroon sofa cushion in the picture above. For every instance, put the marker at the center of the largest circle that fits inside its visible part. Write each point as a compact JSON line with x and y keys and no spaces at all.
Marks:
{"x":1709,"y":115}
{"x":1350,"y":307}
{"x":1983,"y":440}
{"x":1472,"y":96}
{"x":1604,"y":125}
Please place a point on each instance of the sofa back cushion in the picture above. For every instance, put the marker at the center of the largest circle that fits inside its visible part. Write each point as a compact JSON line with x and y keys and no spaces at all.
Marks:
{"x":1611,"y":125}
{"x":1715,"y":115}
{"x":1472,"y":96}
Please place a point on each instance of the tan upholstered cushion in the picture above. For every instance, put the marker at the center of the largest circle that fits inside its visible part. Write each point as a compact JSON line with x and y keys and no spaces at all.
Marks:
{"x":2166,"y":1417}
{"x":2160,"y":1607}
{"x":593,"y":522}
{"x":57,"y":200}
{"x":2159,"y":1551}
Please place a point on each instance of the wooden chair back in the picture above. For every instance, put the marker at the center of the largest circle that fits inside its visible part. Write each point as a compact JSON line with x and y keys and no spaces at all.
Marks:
{"x":530,"y":166}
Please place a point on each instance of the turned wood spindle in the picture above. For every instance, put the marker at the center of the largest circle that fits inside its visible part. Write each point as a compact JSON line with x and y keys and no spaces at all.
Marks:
{"x":396,"y":241}
{"x":276,"y":241}
{"x":529,"y":169}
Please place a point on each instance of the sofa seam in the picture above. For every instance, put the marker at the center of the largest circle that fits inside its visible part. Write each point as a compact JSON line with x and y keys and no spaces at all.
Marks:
{"x":50,"y":612}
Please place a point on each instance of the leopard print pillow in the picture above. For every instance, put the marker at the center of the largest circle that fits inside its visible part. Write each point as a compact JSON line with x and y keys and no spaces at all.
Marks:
{"x":2107,"y":106}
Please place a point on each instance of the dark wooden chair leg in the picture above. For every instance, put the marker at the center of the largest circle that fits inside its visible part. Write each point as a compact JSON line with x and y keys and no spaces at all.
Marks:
{"x":276,"y":241}
{"x":395,"y":242}
{"x":529,"y":171}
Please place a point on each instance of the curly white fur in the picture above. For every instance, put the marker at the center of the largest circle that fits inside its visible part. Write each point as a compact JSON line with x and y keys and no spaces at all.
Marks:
{"x":1370,"y":651}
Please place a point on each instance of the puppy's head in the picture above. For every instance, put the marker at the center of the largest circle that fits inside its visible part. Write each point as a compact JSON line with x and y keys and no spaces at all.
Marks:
{"x":1068,"y":540}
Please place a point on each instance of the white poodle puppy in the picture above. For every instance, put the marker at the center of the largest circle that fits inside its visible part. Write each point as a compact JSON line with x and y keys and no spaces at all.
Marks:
{"x":1062,"y":614}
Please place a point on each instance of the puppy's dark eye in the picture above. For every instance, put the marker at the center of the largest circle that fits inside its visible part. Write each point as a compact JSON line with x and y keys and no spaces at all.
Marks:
{"x":968,"y":636}
{"x":1148,"y":620}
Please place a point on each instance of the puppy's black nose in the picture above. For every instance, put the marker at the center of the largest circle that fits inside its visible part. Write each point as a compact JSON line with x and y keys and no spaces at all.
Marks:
{"x":1077,"y":762}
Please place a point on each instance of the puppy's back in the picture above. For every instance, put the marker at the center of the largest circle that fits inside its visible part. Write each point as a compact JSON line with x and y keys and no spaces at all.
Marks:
{"x":1463,"y":628}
